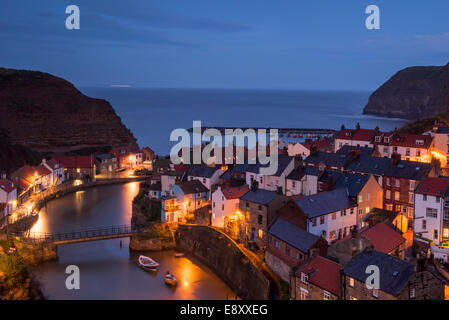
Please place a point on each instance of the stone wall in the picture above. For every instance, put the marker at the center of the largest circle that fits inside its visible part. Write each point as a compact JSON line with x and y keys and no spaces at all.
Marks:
{"x":279,"y":267}
{"x":221,"y":254}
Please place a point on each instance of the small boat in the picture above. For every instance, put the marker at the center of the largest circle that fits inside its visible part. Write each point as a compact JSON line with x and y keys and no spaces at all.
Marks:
{"x":179,"y":255}
{"x":170,"y":280}
{"x":147,"y":263}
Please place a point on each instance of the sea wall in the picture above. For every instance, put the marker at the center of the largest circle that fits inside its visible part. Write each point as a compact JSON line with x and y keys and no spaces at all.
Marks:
{"x":223,"y":256}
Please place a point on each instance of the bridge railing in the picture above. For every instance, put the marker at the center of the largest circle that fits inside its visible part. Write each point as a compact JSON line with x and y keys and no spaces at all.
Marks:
{"x":37,"y":237}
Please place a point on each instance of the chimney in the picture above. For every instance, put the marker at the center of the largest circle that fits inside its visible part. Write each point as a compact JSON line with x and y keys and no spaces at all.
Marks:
{"x":330,"y":180}
{"x":396,"y":157}
{"x":255,"y":186}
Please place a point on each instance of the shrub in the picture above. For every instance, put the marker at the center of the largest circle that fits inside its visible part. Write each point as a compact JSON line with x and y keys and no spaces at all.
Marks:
{"x":14,"y":270}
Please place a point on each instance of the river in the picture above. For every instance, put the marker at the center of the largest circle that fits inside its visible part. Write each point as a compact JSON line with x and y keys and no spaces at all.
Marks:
{"x":108,"y":271}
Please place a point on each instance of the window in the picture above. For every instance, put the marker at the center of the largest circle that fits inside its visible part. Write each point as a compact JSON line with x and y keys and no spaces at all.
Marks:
{"x":360,"y":198}
{"x":351,"y":282}
{"x":334,"y":215}
{"x":260,"y":207}
{"x":287,"y":250}
{"x":398,"y":183}
{"x":298,"y":256}
{"x":332,"y":235}
{"x":270,"y":239}
{"x":445,"y":232}
{"x":353,"y":298}
{"x":418,"y":153}
{"x":342,"y":213}
{"x":304,"y":277}
{"x":435,"y":234}
{"x":437,"y":199}
{"x":277,"y":245}
{"x":326,"y":295}
{"x":424,"y":225}
{"x":322,"y":220}
{"x":410,"y":197}
{"x":367,"y":210}
{"x":388,"y":182}
{"x":259,"y":219}
{"x":424,"y":197}
{"x":260,"y":233}
{"x":388,"y":194}
{"x":368,"y":196}
{"x":204,"y":180}
{"x":412,"y":293}
{"x":360,"y":211}
{"x":396,"y":195}
{"x":314,"y":222}
{"x":431,"y":212}
{"x":412,"y":185}
{"x":213,"y":204}
{"x":375,"y":293}
{"x":247,"y":204}
{"x":385,"y":149}
{"x":222,"y":207}
{"x":293,"y":184}
{"x":351,"y":211}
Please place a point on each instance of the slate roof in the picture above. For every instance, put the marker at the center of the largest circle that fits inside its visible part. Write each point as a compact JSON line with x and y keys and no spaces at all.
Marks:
{"x":293,"y":235}
{"x":260,"y":196}
{"x":366,"y":151}
{"x":300,"y":172}
{"x":352,"y":181}
{"x":323,"y":273}
{"x":283,"y":162}
{"x":408,"y":169}
{"x":325,"y":202}
{"x":202,"y":171}
{"x":443,"y":130}
{"x":372,"y":165}
{"x":193,"y":186}
{"x":394,"y":272}
{"x":329,"y":159}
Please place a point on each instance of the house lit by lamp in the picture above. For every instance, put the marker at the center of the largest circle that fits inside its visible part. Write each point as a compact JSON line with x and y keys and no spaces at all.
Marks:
{"x":128,"y":157}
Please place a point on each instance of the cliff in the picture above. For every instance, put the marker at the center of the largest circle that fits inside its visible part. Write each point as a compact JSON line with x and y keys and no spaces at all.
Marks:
{"x":48,"y":114}
{"x":412,"y":93}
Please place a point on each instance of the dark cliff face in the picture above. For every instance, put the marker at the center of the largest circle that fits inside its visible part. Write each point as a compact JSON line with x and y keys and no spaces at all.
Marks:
{"x":48,"y":114}
{"x":412,"y":93}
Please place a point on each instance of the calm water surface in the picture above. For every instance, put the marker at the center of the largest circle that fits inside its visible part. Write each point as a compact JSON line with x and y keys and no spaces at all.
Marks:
{"x":108,"y":271}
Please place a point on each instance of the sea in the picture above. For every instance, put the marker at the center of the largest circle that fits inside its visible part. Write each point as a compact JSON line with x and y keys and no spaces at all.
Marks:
{"x":153,"y":113}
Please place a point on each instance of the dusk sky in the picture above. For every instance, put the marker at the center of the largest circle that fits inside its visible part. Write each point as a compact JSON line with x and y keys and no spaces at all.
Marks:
{"x":224,"y":44}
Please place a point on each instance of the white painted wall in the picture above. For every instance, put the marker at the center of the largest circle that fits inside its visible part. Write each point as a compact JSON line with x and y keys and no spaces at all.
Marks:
{"x":431,"y":223}
{"x":346,"y":221}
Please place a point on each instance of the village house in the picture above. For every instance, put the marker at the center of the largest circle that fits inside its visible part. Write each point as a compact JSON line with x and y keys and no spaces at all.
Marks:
{"x":441,"y":146}
{"x":169,"y":179}
{"x":363,"y":189}
{"x":355,"y":137}
{"x":397,"y":279}
{"x":393,"y":218}
{"x":147,"y":158}
{"x":317,"y":279}
{"x":225,"y":204}
{"x":8,"y":196}
{"x":374,"y":166}
{"x":202,"y":216}
{"x":77,"y":167}
{"x":413,"y":147}
{"x":259,"y":208}
{"x":329,"y":161}
{"x":24,"y":179}
{"x":43,"y":178}
{"x":275,"y":182}
{"x":304,"y":149}
{"x":155,"y":190}
{"x":382,"y":237}
{"x":401,"y":179}
{"x":208,"y":176}
{"x":128,"y":157}
{"x":365,"y":151}
{"x":431,"y":207}
{"x":310,"y":180}
{"x":183,"y":199}
{"x":106,"y":163}
{"x":289,"y":245}
{"x":329,"y":214}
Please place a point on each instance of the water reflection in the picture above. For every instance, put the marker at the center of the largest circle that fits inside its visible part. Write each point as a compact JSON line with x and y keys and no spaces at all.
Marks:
{"x":109,"y":271}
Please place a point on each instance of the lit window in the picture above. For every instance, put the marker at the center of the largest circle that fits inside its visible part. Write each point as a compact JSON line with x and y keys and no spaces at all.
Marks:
{"x":277,"y":245}
{"x":260,"y":233}
{"x":360,"y":198}
{"x":351,"y":282}
{"x":412,"y":293}
{"x":326,"y":295}
{"x":304,"y":277}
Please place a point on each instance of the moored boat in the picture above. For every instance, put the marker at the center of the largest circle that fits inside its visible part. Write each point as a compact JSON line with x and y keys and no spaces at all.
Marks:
{"x":147,"y":263}
{"x":179,"y":254}
{"x":170,"y":279}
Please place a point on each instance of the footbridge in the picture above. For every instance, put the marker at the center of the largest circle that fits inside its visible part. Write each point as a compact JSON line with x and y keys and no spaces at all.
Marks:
{"x":76,"y":236}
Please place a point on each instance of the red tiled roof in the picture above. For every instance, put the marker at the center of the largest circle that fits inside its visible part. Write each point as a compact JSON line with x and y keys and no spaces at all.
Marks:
{"x":383,"y":237}
{"x":23,"y":184}
{"x":72,"y":162}
{"x":235,"y":192}
{"x":7,"y":185}
{"x":324,"y":273}
{"x":320,"y":145}
{"x":357,"y":134}
{"x":433,"y":186}
{"x":409,"y":140}
{"x":42,"y":170}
